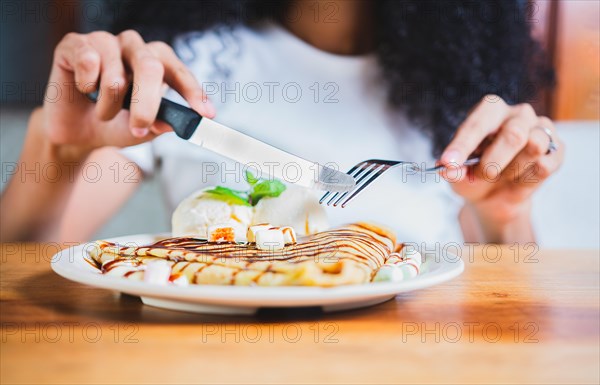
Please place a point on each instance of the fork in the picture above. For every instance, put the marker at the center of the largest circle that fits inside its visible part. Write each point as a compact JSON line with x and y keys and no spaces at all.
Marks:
{"x":365,"y":172}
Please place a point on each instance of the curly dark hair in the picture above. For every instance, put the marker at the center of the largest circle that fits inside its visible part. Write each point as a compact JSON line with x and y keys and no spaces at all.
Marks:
{"x":439,"y":57}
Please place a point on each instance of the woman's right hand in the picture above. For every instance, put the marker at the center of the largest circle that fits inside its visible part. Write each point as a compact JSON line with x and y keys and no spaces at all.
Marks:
{"x":100,"y":60}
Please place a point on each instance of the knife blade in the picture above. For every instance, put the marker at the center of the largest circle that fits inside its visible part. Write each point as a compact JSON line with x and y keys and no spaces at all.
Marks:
{"x":244,"y":149}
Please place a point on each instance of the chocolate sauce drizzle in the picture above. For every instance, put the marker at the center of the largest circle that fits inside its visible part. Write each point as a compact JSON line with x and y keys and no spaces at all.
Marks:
{"x":360,"y":243}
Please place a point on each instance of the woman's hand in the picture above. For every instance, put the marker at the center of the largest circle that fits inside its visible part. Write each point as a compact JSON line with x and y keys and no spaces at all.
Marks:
{"x":69,"y":126}
{"x":515,"y":160}
{"x":84,"y":63}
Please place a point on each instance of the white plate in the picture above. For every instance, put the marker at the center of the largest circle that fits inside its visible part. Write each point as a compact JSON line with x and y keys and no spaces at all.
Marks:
{"x":70,"y":264}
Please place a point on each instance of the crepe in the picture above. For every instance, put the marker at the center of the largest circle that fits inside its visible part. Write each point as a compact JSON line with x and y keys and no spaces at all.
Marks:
{"x":350,"y":254}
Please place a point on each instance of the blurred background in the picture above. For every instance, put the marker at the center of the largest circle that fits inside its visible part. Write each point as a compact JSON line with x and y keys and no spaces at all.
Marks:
{"x":567,"y":210}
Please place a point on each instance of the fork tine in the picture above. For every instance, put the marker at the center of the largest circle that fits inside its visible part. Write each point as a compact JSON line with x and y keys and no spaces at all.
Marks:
{"x":332,"y":198}
{"x":358,"y":190}
{"x":328,"y":193}
{"x":340,"y":198}
{"x":366,"y":166}
{"x":377,"y":169}
{"x":360,"y":171}
{"x":324,"y":197}
{"x":353,"y":169}
{"x":362,"y":167}
{"x":362,"y":174}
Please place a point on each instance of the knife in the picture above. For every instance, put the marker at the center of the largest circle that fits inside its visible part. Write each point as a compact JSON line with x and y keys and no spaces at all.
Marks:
{"x":244,"y":149}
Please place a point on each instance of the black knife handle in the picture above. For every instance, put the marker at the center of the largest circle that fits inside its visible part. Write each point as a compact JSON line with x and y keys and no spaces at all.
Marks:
{"x":183,"y":120}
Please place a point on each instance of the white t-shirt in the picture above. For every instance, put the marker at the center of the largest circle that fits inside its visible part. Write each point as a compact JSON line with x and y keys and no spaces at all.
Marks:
{"x":323,"y":107}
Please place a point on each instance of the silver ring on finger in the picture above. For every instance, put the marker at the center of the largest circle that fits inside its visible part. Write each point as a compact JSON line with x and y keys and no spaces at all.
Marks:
{"x":552,"y":146}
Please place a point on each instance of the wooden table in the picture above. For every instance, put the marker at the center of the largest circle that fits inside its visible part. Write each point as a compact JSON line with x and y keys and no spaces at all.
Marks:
{"x":527,"y":317}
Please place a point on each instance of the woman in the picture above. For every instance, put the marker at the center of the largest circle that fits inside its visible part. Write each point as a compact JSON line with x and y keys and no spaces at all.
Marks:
{"x":332,"y":81}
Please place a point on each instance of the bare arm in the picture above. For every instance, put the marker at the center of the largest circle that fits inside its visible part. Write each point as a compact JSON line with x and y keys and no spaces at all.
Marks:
{"x":477,"y":227}
{"x":34,"y":199}
{"x":68,"y":129}
{"x":63,"y":193}
{"x":111,"y":181}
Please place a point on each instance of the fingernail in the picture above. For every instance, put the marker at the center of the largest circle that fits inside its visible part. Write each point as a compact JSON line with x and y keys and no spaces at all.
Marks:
{"x":450,"y":156}
{"x":140,"y":132}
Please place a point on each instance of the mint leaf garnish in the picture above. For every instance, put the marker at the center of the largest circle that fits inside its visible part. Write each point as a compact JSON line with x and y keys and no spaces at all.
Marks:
{"x":259,"y":189}
{"x":250,"y":178}
{"x":265,"y":189}
{"x":228,"y":195}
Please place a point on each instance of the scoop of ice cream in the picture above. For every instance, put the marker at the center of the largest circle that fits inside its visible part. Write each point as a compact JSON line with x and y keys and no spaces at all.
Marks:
{"x":197,"y":212}
{"x":296,"y":207}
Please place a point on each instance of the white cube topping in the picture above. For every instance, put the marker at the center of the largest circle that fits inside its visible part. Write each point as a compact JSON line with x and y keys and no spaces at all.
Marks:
{"x":289,"y":235}
{"x":157,"y":272}
{"x":226,"y":233}
{"x":252,"y":230}
{"x":270,"y":239}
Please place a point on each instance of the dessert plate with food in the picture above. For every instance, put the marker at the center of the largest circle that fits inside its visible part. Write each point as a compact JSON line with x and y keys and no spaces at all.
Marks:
{"x":237,"y":251}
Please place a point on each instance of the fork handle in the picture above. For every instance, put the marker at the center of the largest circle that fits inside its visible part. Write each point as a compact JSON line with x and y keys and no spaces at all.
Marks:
{"x":468,"y":162}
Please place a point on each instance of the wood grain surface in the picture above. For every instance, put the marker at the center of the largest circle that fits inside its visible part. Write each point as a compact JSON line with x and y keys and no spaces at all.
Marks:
{"x":516,"y":315}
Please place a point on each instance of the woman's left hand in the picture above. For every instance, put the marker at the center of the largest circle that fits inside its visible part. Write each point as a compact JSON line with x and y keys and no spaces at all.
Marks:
{"x":516,"y":157}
